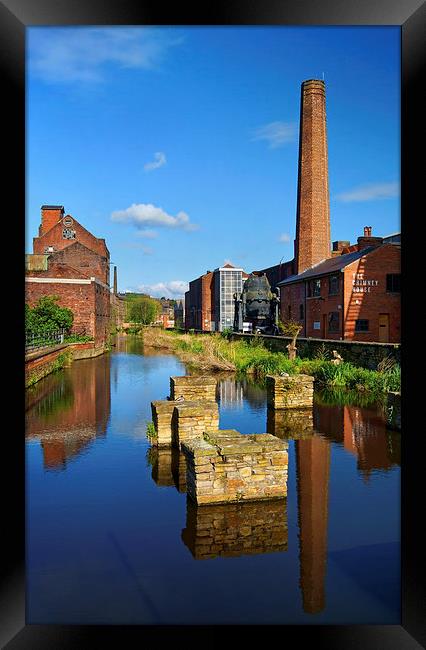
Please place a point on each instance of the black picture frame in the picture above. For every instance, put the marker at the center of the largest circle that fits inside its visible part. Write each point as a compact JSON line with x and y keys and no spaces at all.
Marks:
{"x":15,"y":16}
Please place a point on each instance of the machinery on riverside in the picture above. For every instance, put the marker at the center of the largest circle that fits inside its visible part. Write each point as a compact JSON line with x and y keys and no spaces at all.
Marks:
{"x":256,"y":307}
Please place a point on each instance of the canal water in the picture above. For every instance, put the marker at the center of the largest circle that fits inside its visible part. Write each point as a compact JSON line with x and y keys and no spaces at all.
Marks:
{"x":112,"y":539}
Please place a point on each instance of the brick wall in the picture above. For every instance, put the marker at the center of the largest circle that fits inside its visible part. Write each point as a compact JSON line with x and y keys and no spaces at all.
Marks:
{"x":90,"y":304}
{"x":199,"y":304}
{"x":88,"y":262}
{"x":375,"y":300}
{"x":53,"y":236}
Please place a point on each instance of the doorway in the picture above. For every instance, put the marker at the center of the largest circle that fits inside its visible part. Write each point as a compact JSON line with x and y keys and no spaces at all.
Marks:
{"x":384,"y":328}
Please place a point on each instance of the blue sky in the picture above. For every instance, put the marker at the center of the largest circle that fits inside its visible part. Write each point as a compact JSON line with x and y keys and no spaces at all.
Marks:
{"x":179,"y":145}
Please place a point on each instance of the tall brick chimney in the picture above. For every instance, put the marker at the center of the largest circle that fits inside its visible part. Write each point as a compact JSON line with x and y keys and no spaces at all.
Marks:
{"x":313,"y":241}
{"x":50,"y":215}
{"x":115,"y":280}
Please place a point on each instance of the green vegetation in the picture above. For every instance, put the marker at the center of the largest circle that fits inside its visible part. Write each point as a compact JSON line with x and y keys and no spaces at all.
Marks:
{"x":47,"y":317}
{"x":151,"y":433}
{"x":251,"y":357}
{"x":141,"y":308}
{"x":78,"y":338}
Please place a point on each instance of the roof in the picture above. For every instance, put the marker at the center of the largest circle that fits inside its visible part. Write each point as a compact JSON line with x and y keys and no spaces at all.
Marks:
{"x":52,"y":207}
{"x":328,"y":266}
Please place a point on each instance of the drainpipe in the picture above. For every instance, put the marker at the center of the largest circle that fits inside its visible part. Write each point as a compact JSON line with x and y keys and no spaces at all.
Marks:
{"x":304,"y":309}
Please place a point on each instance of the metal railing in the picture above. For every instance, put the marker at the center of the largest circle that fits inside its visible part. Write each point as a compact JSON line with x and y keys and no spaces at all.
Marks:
{"x":34,"y":341}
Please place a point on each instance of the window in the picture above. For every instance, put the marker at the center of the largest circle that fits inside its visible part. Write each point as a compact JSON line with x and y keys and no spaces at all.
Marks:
{"x":333,"y":285}
{"x":333,"y":321}
{"x":316,"y":287}
{"x":361,"y":325}
{"x":393,"y":282}
{"x":301,"y":312}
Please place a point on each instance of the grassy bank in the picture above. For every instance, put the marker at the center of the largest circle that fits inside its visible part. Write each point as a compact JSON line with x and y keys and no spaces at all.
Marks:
{"x":216,"y":353}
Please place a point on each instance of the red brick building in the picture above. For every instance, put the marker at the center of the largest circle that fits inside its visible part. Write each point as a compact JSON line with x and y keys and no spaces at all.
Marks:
{"x":354,"y":296}
{"x":69,"y":262}
{"x":199,"y":303}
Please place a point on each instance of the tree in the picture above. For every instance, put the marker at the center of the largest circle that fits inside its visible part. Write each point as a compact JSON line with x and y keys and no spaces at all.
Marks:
{"x":142,"y":309}
{"x":291,"y":328}
{"x":47,"y":316}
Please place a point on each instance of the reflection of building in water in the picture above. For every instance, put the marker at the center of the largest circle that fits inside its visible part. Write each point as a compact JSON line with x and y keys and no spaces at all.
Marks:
{"x":230,"y":393}
{"x":292,"y":424}
{"x":74,"y":412}
{"x":236,"y":529}
{"x":312,"y":468}
{"x":168,"y":467}
{"x":362,"y":431}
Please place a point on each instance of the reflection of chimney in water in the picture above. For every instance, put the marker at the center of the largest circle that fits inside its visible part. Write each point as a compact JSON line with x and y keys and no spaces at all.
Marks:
{"x":312,"y":466}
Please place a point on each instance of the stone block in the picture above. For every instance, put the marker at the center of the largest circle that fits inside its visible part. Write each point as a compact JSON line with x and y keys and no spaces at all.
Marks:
{"x":193,"y":388}
{"x":224,"y":478}
{"x":292,"y":392}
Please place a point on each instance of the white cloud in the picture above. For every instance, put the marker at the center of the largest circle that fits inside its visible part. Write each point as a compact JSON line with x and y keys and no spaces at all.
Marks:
{"x":160,"y":160}
{"x":284,"y":237}
{"x":172,"y":289}
{"x":276,"y":134}
{"x":147,"y":234}
{"x":146,"y":214}
{"x":80,"y":54}
{"x":371,"y":192}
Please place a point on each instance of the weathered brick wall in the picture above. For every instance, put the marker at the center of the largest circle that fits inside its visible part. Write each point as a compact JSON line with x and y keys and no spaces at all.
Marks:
{"x":191,"y":387}
{"x":44,"y":363}
{"x":89,"y":303}
{"x":54,"y":237}
{"x":78,"y":256}
{"x":80,"y":298}
{"x":231,"y":467}
{"x":364,"y":355}
{"x":294,"y":392}
{"x":291,"y":297}
{"x":234,"y":529}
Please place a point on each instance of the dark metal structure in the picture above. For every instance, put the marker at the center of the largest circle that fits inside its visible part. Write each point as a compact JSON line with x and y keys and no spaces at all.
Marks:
{"x":256,"y":305}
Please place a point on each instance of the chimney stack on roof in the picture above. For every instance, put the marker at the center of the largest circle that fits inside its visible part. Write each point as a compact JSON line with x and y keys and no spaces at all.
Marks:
{"x":368,"y":240}
{"x":50,"y":216}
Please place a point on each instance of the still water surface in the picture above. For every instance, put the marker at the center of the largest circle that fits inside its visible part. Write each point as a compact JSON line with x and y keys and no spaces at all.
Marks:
{"x":111,"y":538}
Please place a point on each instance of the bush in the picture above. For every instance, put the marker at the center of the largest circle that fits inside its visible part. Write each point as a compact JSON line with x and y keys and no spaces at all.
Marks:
{"x":46,"y":316}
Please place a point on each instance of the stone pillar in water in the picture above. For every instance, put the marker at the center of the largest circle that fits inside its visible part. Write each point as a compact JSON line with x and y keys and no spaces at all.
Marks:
{"x":294,"y":391}
{"x":230,"y":467}
{"x":193,"y":388}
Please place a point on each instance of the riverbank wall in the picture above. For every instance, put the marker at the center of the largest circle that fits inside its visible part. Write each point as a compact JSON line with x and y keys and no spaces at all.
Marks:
{"x":40,"y":363}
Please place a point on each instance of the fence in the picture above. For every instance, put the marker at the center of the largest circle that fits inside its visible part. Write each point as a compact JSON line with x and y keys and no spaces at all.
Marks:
{"x":35,"y":341}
